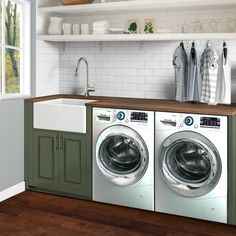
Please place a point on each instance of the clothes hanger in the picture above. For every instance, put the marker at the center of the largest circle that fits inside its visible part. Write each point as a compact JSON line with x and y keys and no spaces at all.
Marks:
{"x":193,"y":52}
{"x":208,"y":43}
{"x":225,"y":50}
{"x":182,"y":45}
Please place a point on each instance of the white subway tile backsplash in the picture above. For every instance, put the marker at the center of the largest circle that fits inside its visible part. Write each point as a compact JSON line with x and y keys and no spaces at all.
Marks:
{"x":152,"y":65}
{"x":115,"y":86}
{"x":122,"y":93}
{"x":137,"y":94}
{"x":144,"y":72}
{"x":108,"y":92}
{"x":134,"y":64}
{"x":130,"y":72}
{"x":115,"y":72}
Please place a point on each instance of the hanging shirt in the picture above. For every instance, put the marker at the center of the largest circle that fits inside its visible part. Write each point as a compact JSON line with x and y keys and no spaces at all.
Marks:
{"x":193,"y":83}
{"x":180,"y":62}
{"x":209,"y":73}
{"x":224,"y":80}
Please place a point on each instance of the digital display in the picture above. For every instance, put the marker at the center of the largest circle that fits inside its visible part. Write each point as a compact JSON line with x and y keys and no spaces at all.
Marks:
{"x":139,"y":116}
{"x":211,"y":122}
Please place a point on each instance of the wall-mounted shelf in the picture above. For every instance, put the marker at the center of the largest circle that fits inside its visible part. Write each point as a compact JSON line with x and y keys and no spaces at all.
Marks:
{"x":133,"y":6}
{"x":136,"y":37}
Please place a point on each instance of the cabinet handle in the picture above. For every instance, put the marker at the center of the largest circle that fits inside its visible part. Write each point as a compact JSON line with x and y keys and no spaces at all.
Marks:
{"x":55,"y":143}
{"x":61,"y":142}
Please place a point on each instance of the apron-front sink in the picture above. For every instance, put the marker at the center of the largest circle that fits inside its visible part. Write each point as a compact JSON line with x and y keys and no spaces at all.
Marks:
{"x":61,"y":114}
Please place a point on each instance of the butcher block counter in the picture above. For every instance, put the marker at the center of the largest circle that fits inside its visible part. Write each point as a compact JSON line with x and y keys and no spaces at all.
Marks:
{"x":147,"y":104}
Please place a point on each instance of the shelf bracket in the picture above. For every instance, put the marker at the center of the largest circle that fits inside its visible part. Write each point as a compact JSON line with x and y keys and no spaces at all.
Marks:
{"x":100,"y":46}
{"x":141,"y":46}
{"x":63,"y":46}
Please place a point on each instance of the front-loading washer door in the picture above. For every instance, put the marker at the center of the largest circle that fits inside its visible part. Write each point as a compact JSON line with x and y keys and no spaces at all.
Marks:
{"x":190,"y":164}
{"x":121,"y":155}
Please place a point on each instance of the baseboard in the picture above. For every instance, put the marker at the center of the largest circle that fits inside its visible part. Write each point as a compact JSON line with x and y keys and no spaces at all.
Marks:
{"x":12,"y":191}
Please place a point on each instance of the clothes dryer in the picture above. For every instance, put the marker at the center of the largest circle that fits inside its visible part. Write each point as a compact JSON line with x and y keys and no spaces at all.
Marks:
{"x":191,"y":165}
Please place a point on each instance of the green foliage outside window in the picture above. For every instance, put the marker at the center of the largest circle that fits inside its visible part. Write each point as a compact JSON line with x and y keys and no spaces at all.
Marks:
{"x":12,"y":56}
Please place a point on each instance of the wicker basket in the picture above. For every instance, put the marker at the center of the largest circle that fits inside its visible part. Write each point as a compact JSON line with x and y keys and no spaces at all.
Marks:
{"x":74,"y":2}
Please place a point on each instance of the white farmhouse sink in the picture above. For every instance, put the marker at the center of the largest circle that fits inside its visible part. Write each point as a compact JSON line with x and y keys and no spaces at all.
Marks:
{"x":62,"y":114}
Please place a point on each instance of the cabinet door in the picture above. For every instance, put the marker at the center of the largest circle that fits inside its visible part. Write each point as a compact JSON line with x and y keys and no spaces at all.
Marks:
{"x":74,"y":163}
{"x":46,"y":159}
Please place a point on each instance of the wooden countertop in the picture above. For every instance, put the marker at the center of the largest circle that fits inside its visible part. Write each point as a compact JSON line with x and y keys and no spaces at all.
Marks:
{"x":147,"y":104}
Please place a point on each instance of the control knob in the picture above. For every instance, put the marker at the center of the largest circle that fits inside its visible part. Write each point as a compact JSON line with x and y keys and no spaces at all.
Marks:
{"x":120,"y":115}
{"x":188,"y":121}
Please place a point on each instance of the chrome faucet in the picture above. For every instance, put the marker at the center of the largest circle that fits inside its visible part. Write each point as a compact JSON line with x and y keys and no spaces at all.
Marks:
{"x":87,"y":88}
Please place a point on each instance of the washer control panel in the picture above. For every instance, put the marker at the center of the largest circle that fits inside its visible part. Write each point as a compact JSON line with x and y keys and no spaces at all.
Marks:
{"x":121,"y":116}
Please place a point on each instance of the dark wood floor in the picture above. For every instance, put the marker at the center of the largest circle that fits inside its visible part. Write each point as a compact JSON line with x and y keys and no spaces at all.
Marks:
{"x":32,"y":213}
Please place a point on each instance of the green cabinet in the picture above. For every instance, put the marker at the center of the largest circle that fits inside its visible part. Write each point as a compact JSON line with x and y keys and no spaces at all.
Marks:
{"x":46,"y":161}
{"x":58,"y":162}
{"x":72,"y":164}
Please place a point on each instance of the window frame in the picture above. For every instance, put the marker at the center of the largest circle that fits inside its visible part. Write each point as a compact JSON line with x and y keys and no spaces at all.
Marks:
{"x":24,"y":49}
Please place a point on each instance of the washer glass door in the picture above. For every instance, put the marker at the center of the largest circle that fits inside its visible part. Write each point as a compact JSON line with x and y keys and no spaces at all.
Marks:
{"x":121,"y":155}
{"x":190,"y":164}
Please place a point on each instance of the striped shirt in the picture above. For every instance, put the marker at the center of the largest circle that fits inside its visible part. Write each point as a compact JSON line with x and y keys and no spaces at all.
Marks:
{"x":209,"y":73}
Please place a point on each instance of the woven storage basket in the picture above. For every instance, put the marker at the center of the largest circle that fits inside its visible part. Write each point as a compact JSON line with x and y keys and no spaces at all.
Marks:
{"x":74,"y":2}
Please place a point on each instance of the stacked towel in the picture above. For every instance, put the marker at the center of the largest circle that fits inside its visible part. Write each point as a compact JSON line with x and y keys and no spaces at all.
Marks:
{"x":101,"y":27}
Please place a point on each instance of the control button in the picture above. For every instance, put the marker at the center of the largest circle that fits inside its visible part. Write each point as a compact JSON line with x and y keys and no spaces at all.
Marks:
{"x":188,"y":121}
{"x":126,"y":120}
{"x":195,"y":126}
{"x":120,"y":115}
{"x":181,"y":125}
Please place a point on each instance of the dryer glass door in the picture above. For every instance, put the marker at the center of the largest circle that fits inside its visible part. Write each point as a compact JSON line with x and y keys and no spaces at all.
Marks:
{"x":190,"y":164}
{"x":121,"y":155}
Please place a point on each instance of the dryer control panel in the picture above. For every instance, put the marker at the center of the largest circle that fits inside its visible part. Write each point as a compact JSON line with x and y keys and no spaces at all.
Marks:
{"x":168,"y":121}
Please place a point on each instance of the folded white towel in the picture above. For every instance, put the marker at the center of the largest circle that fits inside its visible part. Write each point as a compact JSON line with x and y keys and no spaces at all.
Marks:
{"x":116,"y":29}
{"x":97,"y":33}
{"x":100,"y":28}
{"x":100,"y":32}
{"x":100,"y":23}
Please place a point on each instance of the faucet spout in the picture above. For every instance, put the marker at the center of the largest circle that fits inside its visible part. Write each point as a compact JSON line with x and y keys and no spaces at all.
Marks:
{"x":87,"y":89}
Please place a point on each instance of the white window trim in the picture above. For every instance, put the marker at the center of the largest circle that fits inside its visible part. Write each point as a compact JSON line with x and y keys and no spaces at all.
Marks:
{"x":25,"y":48}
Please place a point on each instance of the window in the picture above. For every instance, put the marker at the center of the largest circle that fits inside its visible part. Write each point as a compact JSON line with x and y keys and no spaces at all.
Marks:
{"x":15,"y":48}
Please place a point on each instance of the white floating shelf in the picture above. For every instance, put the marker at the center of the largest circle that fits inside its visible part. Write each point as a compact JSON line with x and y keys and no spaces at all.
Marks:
{"x":133,"y":6}
{"x":135,"y":37}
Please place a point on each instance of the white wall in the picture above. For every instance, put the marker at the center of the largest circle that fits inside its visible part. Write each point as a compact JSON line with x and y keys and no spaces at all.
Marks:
{"x":47,"y":68}
{"x":125,"y":68}
{"x":47,"y":57}
{"x":12,"y":134}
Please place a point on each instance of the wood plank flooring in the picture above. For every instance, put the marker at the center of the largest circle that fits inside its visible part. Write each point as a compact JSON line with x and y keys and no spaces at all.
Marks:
{"x":39,"y":214}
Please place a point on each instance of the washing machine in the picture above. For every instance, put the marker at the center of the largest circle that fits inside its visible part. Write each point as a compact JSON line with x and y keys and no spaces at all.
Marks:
{"x":191,"y":165}
{"x":123,"y":157}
